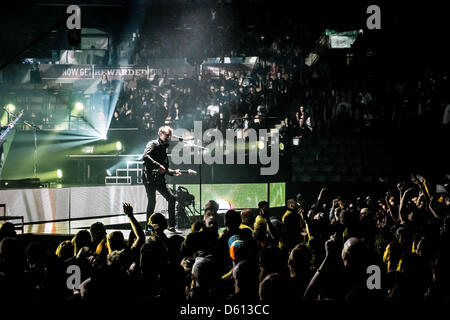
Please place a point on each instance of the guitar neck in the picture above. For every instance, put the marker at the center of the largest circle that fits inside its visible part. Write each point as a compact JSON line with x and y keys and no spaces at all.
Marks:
{"x":181,"y":171}
{"x":5,"y":133}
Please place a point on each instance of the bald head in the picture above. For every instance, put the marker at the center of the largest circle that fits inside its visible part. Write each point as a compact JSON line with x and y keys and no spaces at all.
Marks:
{"x":352,"y":252}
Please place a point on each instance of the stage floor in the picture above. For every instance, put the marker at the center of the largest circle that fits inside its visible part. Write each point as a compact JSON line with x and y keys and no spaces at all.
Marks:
{"x":66,"y":210}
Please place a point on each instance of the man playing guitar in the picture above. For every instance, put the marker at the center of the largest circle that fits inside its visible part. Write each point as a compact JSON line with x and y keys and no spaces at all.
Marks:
{"x":156,"y":165}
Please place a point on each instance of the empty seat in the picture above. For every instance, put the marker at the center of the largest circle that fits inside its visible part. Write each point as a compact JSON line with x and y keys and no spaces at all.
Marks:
{"x":305,"y":178}
{"x":324,"y":159}
{"x":356,"y":168}
{"x":345,"y":149}
{"x":319,"y":178}
{"x":334,"y":177}
{"x":328,"y":168}
{"x":323,"y":141}
{"x":311,"y":167}
{"x":298,"y":168}
{"x":315,"y":150}
{"x":366,"y":178}
{"x":330,"y":150}
{"x":350,"y":177}
{"x":309,"y":158}
{"x":342,"y":168}
{"x":339,"y":159}
{"x":354,"y":159}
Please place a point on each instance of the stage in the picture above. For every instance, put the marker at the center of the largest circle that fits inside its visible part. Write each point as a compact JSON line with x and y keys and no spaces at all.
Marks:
{"x":69,"y":209}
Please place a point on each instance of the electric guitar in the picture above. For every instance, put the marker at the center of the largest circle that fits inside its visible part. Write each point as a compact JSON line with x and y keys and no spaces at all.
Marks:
{"x":155,"y":176}
{"x":5,"y":133}
{"x":189,"y":171}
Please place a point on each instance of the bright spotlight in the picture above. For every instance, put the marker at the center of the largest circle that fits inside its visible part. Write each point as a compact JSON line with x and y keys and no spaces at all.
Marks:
{"x":11,"y":107}
{"x":108,"y":172}
{"x":281,"y":146}
{"x":79,"y":106}
{"x":118,"y":145}
{"x":260,"y":145}
{"x":224,"y":205}
{"x":87,"y":149}
{"x":59,"y":173}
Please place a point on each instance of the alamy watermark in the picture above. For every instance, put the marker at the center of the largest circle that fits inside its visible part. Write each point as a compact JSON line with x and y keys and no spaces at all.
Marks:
{"x":74,"y":279}
{"x":263,"y":148}
{"x":74,"y":20}
{"x":374,"y":20}
{"x":374,"y":280}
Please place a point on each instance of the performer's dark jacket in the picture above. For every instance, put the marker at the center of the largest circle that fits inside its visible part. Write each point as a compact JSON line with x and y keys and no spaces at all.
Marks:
{"x":155,"y":154}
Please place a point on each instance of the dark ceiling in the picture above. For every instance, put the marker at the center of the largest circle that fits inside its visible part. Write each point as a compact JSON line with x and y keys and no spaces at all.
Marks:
{"x":411,"y":28}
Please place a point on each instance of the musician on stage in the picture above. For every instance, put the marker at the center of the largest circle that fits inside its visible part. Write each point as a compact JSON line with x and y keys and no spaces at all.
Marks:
{"x":156,"y":165}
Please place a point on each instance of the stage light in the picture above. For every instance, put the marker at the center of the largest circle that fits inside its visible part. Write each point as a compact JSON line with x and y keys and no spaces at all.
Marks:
{"x":281,"y":146}
{"x":109,"y":147}
{"x":88,"y":149}
{"x":108,"y":172}
{"x":51,"y":176}
{"x":224,"y":205}
{"x":260,"y":145}
{"x":11,"y":107}
{"x":79,"y":106}
{"x":4,"y":119}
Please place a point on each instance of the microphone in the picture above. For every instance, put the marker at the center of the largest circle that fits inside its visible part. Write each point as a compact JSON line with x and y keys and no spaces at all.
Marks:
{"x":191,"y":138}
{"x":181,"y":138}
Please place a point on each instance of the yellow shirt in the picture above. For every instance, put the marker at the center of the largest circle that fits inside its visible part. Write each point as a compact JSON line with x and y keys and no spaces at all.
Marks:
{"x":244,"y":226}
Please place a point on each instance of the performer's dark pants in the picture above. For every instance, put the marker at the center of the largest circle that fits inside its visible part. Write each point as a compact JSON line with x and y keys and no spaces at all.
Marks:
{"x":162,"y":188}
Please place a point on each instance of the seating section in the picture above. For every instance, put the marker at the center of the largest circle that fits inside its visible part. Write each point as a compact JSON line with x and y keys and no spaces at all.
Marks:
{"x":340,"y":159}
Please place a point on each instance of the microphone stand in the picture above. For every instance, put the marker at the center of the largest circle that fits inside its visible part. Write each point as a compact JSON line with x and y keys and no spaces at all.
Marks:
{"x":35,"y":128}
{"x":200,"y":165}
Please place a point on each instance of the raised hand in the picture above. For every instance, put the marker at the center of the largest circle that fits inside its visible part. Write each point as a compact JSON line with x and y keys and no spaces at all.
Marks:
{"x":127,"y":208}
{"x":331,"y":247}
{"x":409,"y":190}
{"x":321,"y":193}
{"x":335,"y":202}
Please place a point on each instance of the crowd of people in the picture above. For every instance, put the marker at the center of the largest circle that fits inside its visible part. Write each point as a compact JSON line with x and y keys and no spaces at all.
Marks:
{"x":306,"y":102}
{"x":319,"y":250}
{"x":234,"y":100}
{"x":323,"y":249}
{"x":336,"y":95}
{"x":335,"y":98}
